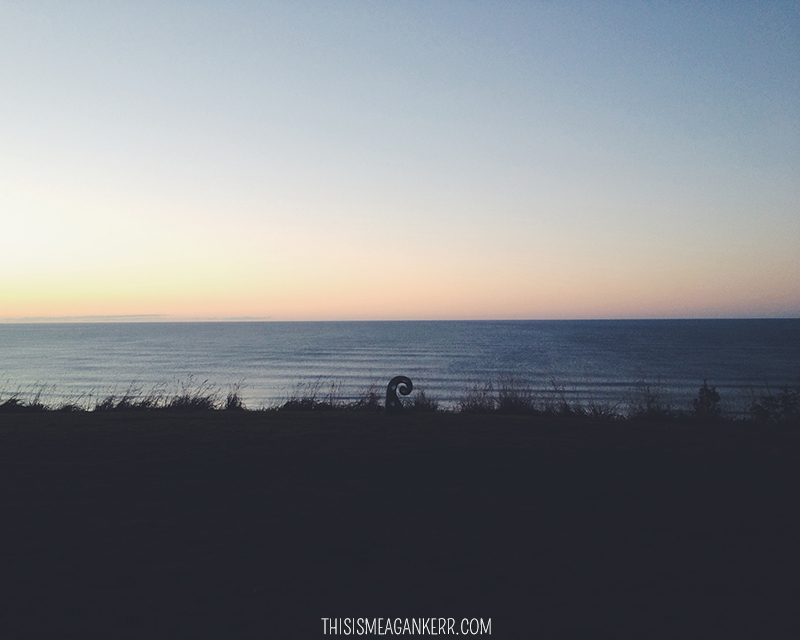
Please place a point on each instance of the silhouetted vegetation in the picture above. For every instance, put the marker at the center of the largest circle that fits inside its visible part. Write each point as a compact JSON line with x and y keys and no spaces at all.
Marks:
{"x":423,"y":403}
{"x":650,"y":402}
{"x":251,"y":513}
{"x":190,"y":396}
{"x":133,"y":399}
{"x":370,"y":400}
{"x":706,"y":406}
{"x":782,"y":407}
{"x":603,"y":410}
{"x":15,"y":405}
{"x":509,"y":395}
{"x":234,"y":402}
{"x":514,"y":396}
{"x":479,"y":399}
{"x":306,"y":396}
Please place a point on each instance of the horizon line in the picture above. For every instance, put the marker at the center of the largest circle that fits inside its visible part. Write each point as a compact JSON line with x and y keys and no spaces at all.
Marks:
{"x":165,"y":318}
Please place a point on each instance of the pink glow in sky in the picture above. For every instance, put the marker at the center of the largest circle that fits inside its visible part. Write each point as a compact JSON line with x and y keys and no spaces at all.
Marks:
{"x":399,"y":161}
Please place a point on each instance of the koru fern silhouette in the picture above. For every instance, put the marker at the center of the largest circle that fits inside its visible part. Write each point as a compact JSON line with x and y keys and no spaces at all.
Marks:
{"x":401,"y":384}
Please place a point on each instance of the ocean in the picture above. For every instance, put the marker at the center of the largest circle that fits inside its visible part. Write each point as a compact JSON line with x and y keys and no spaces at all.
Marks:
{"x":608,"y":361}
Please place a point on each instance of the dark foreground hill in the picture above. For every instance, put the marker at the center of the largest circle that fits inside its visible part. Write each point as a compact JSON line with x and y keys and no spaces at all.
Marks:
{"x":260,"y":524}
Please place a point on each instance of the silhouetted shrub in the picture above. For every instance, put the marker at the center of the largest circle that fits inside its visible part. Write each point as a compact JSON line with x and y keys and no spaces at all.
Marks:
{"x":780,"y":408}
{"x":706,"y":405}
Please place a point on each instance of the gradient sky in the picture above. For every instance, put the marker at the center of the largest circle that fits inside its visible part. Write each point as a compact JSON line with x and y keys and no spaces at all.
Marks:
{"x":404,"y":160}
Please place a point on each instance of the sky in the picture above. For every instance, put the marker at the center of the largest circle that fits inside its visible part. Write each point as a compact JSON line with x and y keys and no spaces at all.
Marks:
{"x":399,"y":160}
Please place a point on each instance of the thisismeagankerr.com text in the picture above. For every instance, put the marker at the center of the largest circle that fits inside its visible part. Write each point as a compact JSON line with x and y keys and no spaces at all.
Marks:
{"x":406,"y":627}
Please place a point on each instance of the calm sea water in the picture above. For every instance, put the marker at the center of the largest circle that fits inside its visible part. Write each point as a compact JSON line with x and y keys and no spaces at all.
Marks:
{"x":604,"y":360}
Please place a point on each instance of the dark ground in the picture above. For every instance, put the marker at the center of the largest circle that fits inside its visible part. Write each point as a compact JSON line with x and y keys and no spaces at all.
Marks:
{"x":237,"y":525}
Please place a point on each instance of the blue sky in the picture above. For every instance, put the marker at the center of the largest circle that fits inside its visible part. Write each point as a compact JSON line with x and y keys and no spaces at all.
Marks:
{"x":400,"y":160}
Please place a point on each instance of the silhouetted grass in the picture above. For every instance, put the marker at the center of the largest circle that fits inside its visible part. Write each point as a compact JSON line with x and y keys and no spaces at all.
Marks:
{"x":132,"y":399}
{"x":421,"y":402}
{"x":479,"y":399}
{"x":603,"y":409}
{"x":15,"y":405}
{"x":371,"y":399}
{"x":650,"y":402}
{"x":306,"y":396}
{"x":706,"y":406}
{"x":514,"y":396}
{"x":509,"y":395}
{"x":190,"y":396}
{"x":782,"y":407}
{"x":16,"y":401}
{"x":195,"y":397}
{"x":559,"y":403}
{"x":233,"y":400}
